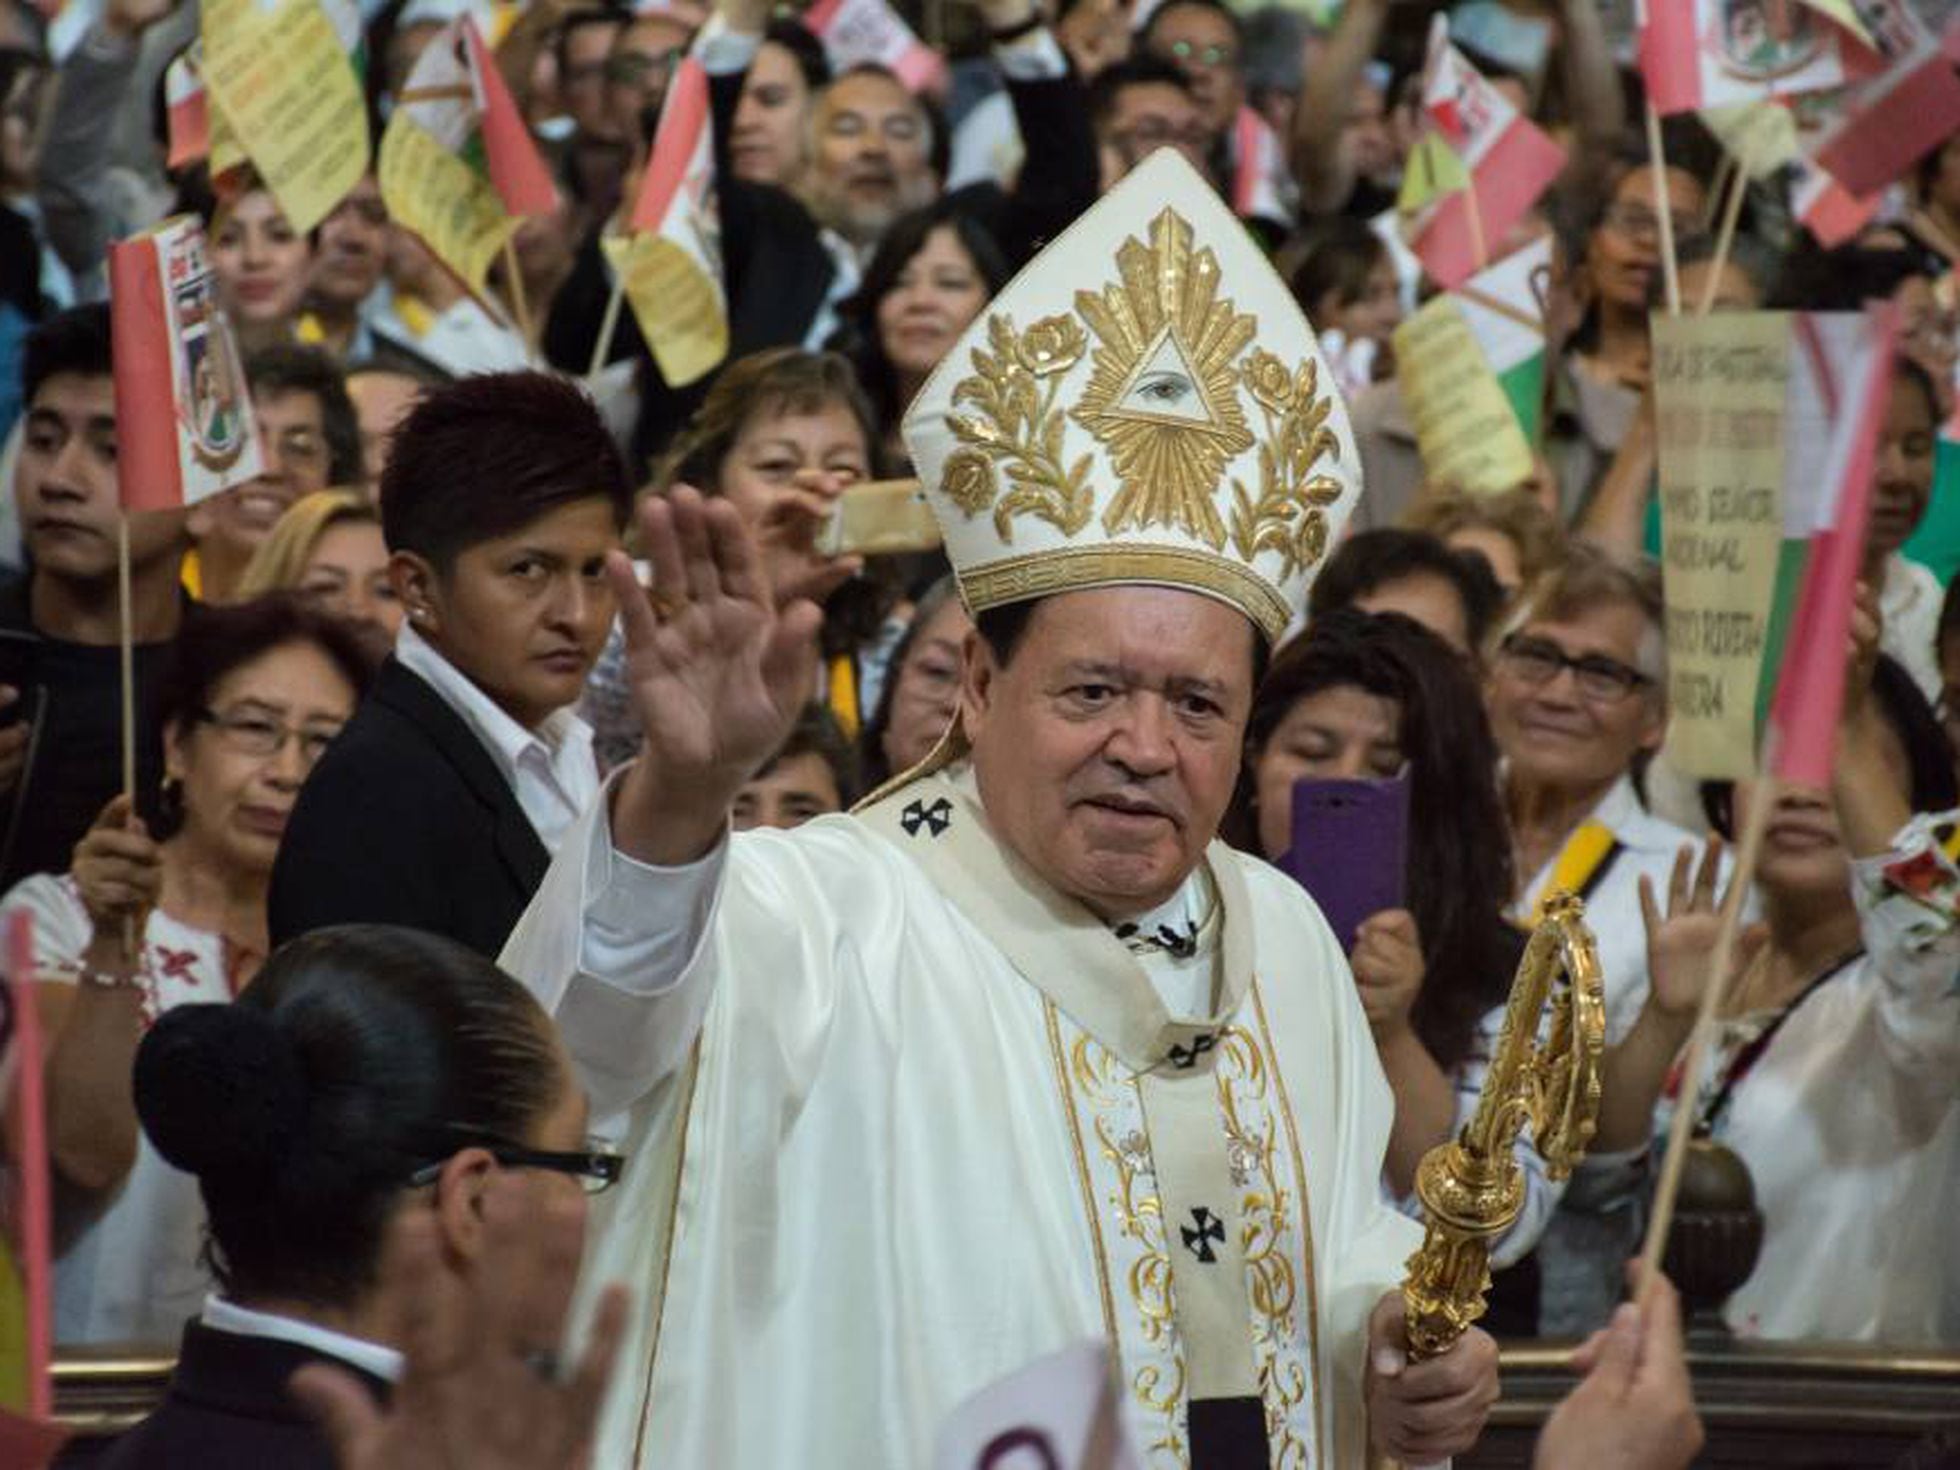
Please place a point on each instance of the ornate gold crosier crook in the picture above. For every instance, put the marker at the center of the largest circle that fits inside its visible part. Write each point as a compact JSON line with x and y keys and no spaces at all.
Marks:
{"x":1473,"y":1188}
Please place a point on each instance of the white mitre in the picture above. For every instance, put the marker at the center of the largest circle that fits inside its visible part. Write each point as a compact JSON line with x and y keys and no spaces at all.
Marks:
{"x":1144,"y":403}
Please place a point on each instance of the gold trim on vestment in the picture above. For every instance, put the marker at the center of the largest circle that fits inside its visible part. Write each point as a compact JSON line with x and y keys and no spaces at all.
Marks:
{"x":1320,"y":1406}
{"x":667,"y":1249}
{"x":1082,"y":1174}
{"x":1075,"y":568}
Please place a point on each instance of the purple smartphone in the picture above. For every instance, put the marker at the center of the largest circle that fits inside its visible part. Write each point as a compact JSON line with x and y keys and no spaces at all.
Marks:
{"x":1350,"y":847}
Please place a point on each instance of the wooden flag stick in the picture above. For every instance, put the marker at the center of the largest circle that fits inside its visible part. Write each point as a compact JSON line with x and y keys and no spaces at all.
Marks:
{"x":1670,"y":269}
{"x":1477,"y":245}
{"x":514,"y":287}
{"x":1715,"y":190}
{"x":126,"y":636}
{"x":608,"y":324}
{"x":1701,"y":1041}
{"x":1724,"y":239}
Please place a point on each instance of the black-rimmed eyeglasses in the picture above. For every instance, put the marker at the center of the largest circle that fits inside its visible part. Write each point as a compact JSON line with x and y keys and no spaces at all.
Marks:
{"x":1601,"y":680}
{"x":596,"y":1169}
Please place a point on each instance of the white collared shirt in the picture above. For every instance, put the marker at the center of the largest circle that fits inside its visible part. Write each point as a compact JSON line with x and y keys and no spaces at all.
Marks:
{"x":370,"y":1357}
{"x":551,"y":769}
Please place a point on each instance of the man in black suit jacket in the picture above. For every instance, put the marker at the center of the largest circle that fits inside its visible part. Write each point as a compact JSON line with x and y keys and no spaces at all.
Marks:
{"x":437,"y":805}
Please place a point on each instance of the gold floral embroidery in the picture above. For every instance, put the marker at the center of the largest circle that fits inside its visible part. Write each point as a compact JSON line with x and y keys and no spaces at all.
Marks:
{"x":1272,"y":1213}
{"x":1266,"y":1210}
{"x":1016,"y":426}
{"x":1161,"y":399}
{"x":1289,"y":514}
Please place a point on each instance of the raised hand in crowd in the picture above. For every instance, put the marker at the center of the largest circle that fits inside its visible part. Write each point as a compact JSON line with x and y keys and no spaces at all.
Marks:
{"x":1635,"y":1409}
{"x":717,"y":670}
{"x":481,"y":1385}
{"x":787,"y":538}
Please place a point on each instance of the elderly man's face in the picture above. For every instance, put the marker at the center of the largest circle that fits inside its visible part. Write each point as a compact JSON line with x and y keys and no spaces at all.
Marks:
{"x":873,"y":156}
{"x":1107,"y":746}
{"x":1201,"y":43}
{"x":1562,"y":729}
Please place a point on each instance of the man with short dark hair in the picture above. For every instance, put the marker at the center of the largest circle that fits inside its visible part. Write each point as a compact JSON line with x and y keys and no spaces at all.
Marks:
{"x":1140,"y":105}
{"x":440,"y":803}
{"x":1205,"y":39}
{"x":60,"y":677}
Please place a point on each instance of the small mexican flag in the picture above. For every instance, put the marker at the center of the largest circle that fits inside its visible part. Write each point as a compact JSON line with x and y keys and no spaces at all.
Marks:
{"x":1472,"y":368}
{"x":1482,"y":166}
{"x":669,"y":263}
{"x":458,"y":165}
{"x":1709,"y":53}
{"x":1505,"y":307}
{"x":184,"y":420}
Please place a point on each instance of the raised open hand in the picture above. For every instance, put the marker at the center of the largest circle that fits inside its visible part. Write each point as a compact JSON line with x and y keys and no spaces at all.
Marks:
{"x":1680,"y":943}
{"x":717,"y":670}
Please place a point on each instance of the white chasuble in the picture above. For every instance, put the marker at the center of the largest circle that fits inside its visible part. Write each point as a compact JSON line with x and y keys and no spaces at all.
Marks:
{"x":900,"y":1120}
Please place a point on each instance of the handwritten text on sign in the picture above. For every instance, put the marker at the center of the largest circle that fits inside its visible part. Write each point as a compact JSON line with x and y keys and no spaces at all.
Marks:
{"x":1720,"y":383}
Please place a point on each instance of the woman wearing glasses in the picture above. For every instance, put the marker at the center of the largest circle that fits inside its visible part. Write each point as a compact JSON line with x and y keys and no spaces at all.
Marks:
{"x":1576,"y":699}
{"x":373,"y":1083}
{"x":256,"y":693}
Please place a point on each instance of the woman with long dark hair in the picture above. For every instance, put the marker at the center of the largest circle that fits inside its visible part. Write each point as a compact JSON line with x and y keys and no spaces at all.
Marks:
{"x":933,"y":273}
{"x":1363,"y":695}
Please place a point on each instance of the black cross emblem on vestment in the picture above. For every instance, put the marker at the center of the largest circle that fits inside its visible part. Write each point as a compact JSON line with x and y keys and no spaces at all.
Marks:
{"x":1184,"y":1058}
{"x":935,"y":817}
{"x":1199,"y":1241}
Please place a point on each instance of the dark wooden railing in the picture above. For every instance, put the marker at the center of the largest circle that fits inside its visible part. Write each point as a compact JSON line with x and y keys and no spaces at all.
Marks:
{"x":1795,"y":1406}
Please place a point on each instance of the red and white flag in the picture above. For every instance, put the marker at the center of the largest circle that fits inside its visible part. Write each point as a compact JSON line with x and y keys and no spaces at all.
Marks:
{"x":1711,"y":53}
{"x":1508,"y":162}
{"x":670,"y":263}
{"x":1840,"y":379}
{"x":1257,"y":161}
{"x":1826,"y":208}
{"x":510,"y":153}
{"x":187,"y":114}
{"x":857,"y":31}
{"x":1887,"y":122}
{"x":184,"y":425}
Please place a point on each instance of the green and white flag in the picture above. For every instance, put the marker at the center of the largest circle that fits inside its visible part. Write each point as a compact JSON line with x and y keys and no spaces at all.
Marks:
{"x":1505,"y":309}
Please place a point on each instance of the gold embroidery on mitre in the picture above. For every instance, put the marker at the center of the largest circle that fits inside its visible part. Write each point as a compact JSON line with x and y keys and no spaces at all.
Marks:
{"x":1016,"y":426}
{"x":1162,"y":399}
{"x":1289,"y":515}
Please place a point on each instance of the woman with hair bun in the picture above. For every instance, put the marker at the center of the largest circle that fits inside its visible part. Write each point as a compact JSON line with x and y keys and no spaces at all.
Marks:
{"x":256,"y":691}
{"x":374,"y":1081}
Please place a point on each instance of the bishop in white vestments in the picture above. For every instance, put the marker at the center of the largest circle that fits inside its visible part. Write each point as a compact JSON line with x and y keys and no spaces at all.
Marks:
{"x":1018,"y":1053}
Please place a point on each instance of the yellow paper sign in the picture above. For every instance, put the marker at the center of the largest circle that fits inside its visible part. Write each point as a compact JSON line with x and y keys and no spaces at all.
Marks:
{"x":450,"y":205}
{"x":1466,"y":430}
{"x":1762,"y":136}
{"x":679,"y":309}
{"x":1720,"y":384}
{"x":286,"y":89}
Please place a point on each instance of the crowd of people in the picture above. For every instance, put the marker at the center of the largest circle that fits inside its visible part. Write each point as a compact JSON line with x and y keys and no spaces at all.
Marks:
{"x":510,"y":632}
